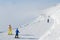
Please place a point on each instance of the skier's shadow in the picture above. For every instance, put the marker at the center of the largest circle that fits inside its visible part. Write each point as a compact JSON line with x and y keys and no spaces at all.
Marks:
{"x":26,"y":37}
{"x":1,"y":32}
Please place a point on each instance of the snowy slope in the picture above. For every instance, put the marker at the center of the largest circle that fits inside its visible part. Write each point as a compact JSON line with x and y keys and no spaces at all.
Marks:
{"x":32,"y":32}
{"x":54,"y":32}
{"x":5,"y":36}
{"x":38,"y":27}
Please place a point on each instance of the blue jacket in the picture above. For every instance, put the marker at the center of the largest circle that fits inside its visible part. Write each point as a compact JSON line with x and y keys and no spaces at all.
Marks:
{"x":17,"y":31}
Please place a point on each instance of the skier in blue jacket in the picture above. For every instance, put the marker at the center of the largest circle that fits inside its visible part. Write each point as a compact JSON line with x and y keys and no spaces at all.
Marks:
{"x":17,"y":32}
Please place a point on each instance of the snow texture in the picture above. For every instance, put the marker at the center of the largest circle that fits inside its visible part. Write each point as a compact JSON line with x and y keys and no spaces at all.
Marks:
{"x":54,"y":32}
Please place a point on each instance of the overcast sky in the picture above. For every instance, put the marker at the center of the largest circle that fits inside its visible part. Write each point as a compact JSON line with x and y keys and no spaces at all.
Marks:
{"x":22,"y":11}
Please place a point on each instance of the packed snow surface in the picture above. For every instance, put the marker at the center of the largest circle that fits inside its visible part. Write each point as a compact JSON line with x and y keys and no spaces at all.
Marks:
{"x":54,"y":32}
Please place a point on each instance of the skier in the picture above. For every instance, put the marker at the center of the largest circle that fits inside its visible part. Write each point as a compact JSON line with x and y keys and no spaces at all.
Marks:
{"x":16,"y":35}
{"x":48,"y":20}
{"x":9,"y":30}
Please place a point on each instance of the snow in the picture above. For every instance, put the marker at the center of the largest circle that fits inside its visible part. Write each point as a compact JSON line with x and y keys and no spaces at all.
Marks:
{"x":39,"y":28}
{"x":31,"y":32}
{"x":54,"y":32}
